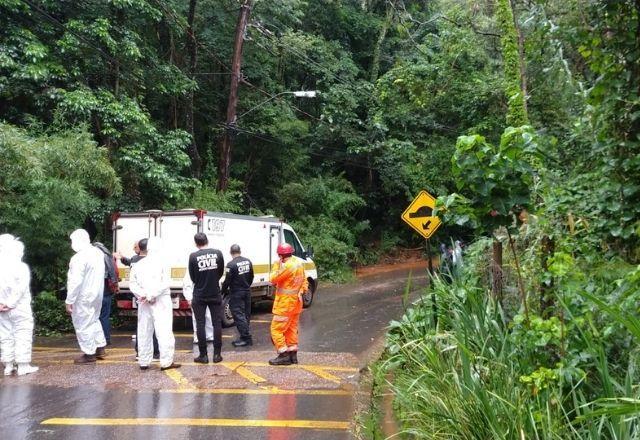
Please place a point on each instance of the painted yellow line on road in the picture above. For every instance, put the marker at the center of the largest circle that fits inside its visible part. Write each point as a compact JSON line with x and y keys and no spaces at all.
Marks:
{"x":123,"y":356}
{"x":225,"y":364}
{"x":324,"y":367}
{"x":261,"y":391}
{"x":54,"y":349}
{"x":108,"y":349}
{"x":321,"y":372}
{"x":190,"y":335}
{"x":238,"y":367}
{"x":177,"y":335}
{"x":306,"y":424}
{"x":182,"y":382}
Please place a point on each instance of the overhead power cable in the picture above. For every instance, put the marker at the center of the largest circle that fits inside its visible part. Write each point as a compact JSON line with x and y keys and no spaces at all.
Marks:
{"x":224,"y":65}
{"x":274,"y":141}
{"x":238,"y":129}
{"x":270,"y":35}
{"x":271,"y":96}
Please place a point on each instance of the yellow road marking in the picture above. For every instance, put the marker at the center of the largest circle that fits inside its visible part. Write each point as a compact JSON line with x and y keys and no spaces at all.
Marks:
{"x":239,"y":368}
{"x":320,"y":372}
{"x":190,"y":335}
{"x":323,"y":367}
{"x":230,"y":365}
{"x":52,"y":349}
{"x":177,"y":335}
{"x":309,"y":424}
{"x":122,"y":356}
{"x":179,"y":379}
{"x":261,"y":391}
{"x":109,"y":349}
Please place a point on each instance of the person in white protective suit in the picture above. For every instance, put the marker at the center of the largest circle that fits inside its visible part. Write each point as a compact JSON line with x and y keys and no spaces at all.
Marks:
{"x":85,"y":285}
{"x":149,"y":281}
{"x":16,"y":318}
{"x":187,"y":292}
{"x":457,"y":258}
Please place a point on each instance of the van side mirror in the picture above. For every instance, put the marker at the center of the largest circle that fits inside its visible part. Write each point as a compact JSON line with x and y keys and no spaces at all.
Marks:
{"x":309,"y":252}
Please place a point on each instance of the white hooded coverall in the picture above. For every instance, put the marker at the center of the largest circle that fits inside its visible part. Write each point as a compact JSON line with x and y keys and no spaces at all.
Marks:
{"x":16,"y":324}
{"x":85,"y":284}
{"x":150,"y":280}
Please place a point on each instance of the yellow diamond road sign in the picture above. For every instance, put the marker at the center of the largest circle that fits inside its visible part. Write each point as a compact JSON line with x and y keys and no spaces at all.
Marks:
{"x":419,"y":215}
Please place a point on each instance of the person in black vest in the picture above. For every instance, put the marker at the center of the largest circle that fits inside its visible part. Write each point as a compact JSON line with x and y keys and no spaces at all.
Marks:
{"x":238,"y":279}
{"x":206,"y":266}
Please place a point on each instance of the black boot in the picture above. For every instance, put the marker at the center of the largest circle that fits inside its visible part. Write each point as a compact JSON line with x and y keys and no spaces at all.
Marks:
{"x":85,"y":359}
{"x":202,"y":359}
{"x":242,"y":342}
{"x":293,"y":355}
{"x":217,"y":350}
{"x":282,"y":359}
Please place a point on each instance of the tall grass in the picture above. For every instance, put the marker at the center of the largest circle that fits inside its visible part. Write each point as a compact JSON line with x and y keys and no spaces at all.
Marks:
{"x":477,"y":376}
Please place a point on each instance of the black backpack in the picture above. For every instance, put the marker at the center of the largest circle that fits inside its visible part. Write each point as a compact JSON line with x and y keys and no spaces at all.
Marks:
{"x":110,"y":272}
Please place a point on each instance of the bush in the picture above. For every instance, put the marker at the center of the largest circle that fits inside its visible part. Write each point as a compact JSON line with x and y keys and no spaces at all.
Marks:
{"x":50,"y":315}
{"x":323,"y":209}
{"x":207,"y":197}
{"x":49,"y":186}
{"x":334,"y":249}
{"x":480,"y":374}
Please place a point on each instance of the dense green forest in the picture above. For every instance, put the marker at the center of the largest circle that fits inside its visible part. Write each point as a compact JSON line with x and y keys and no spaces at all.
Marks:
{"x":123,"y":104}
{"x":146,"y":82}
{"x":523,"y":116}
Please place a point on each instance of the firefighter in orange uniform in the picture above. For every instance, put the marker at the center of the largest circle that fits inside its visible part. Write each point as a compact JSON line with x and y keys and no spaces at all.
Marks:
{"x":287,"y":275}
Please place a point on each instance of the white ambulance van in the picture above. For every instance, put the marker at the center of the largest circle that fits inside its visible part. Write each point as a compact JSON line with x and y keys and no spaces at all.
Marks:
{"x":258,"y":238}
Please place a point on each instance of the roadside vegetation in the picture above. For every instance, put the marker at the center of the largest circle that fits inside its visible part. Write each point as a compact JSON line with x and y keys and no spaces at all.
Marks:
{"x":537,"y":336}
{"x":486,"y":370}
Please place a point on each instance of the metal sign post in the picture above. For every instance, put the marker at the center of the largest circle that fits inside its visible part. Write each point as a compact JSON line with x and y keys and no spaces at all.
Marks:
{"x":419,"y":215}
{"x":434,"y":304}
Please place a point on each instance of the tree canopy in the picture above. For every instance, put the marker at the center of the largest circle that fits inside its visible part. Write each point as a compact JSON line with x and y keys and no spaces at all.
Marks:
{"x":398,"y":81}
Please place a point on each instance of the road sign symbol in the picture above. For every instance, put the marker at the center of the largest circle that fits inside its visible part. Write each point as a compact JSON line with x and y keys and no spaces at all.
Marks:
{"x":419,"y":215}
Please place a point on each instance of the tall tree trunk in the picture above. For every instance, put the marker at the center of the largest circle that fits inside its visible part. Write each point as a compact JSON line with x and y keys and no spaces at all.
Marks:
{"x":546,"y":289}
{"x":173,"y":102}
{"x":196,"y":161}
{"x":636,"y":65}
{"x":523,"y":293}
{"x":496,"y":270}
{"x":517,"y":112}
{"x":522,"y":59}
{"x":116,"y":80}
{"x":377,"y":51}
{"x":227,"y":140}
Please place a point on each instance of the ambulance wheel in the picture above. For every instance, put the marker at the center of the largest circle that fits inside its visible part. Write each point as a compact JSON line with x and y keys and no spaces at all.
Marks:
{"x":227,"y":317}
{"x":307,"y":297}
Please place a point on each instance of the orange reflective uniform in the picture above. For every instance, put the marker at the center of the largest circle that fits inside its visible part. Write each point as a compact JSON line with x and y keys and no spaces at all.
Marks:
{"x":290,"y":282}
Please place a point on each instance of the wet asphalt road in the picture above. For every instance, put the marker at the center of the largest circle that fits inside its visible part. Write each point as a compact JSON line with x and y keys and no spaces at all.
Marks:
{"x":241,"y":398}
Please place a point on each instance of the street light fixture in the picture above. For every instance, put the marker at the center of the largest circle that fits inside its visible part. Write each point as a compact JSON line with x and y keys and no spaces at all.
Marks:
{"x":305,"y":94}
{"x":297,"y":94}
